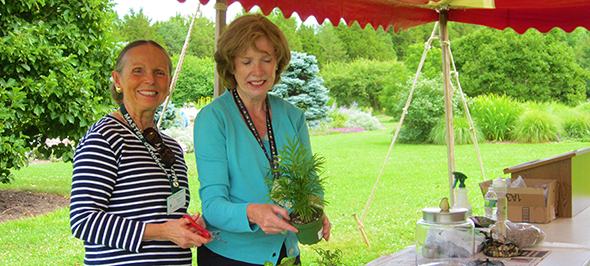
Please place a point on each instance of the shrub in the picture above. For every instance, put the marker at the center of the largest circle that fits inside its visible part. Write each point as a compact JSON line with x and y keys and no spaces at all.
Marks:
{"x":363,"y":120}
{"x":195,"y":79}
{"x":576,"y":121}
{"x":338,"y":118}
{"x":363,"y":81}
{"x":358,"y":118}
{"x":301,"y":86}
{"x":537,"y":125}
{"x":184,"y":136}
{"x":496,"y":115}
{"x":171,"y":117}
{"x":461,"y":131}
{"x":426,"y":108}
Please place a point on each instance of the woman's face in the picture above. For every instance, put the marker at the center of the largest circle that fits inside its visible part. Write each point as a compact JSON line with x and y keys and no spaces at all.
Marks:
{"x":145,"y":78}
{"x":255,"y":71}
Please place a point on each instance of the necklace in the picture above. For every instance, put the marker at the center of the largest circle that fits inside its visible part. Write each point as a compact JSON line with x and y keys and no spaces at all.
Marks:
{"x":269,"y":132}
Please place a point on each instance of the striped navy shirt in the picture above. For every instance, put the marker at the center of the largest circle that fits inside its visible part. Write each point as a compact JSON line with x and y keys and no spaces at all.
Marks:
{"x":117,"y":189}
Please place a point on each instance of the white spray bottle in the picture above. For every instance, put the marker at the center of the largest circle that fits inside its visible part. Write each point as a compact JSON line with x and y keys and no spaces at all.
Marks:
{"x":462,"y":200}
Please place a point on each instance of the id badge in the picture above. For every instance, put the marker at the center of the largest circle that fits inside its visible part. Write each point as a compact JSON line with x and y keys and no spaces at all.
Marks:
{"x":176,"y":201}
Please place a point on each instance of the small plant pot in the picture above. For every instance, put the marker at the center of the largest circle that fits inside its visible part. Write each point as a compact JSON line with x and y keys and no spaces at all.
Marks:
{"x":311,"y":233}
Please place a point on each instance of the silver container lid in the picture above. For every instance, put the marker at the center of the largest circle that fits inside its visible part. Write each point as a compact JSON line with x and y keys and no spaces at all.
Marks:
{"x":436,"y":215}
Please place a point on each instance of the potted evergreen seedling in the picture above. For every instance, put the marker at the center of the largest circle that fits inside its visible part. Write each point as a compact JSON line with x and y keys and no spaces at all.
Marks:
{"x":297,"y":185}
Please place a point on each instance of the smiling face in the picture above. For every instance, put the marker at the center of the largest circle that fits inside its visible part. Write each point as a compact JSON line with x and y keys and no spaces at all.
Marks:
{"x":256,"y":70}
{"x":145,"y":79}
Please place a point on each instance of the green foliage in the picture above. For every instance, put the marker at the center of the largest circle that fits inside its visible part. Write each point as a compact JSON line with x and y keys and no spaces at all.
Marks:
{"x":577,"y":122}
{"x":331,"y":48}
{"x":496,"y":115}
{"x":289,"y":27}
{"x":364,"y":81}
{"x":56,"y":57}
{"x":531,"y":66}
{"x":426,"y":107}
{"x":136,"y":26}
{"x":173,"y":33}
{"x":432,"y":66}
{"x":329,"y":257}
{"x":537,"y":125}
{"x":461,"y":132}
{"x":338,"y":118}
{"x":171,"y":116}
{"x":301,"y":86}
{"x":289,"y":261}
{"x":299,"y":185}
{"x":365,"y":43}
{"x":390,"y":220}
{"x":195,"y":80}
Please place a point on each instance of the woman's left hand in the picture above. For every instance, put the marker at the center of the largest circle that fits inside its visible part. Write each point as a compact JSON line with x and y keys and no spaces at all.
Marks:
{"x":327,"y":227}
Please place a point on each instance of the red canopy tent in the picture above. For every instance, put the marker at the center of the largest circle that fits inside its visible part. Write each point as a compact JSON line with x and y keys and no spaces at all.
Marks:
{"x":520,"y":15}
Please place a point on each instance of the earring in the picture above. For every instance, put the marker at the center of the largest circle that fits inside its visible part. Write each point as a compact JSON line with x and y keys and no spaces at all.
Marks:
{"x":118,"y":90}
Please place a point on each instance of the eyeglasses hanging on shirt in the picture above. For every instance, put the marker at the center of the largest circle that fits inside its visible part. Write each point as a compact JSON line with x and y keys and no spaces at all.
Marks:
{"x":153,"y":137}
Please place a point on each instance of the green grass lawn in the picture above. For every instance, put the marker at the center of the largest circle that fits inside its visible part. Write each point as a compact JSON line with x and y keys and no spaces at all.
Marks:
{"x":415,"y":176}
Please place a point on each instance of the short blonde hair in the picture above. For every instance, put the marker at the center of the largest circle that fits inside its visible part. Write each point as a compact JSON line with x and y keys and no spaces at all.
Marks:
{"x":240,"y":35}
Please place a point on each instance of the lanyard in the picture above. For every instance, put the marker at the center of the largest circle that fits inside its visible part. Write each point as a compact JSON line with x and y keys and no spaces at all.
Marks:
{"x":174,"y":185}
{"x":250,"y":124}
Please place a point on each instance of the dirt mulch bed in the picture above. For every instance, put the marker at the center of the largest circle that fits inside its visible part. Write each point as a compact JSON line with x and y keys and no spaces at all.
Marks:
{"x":24,"y":204}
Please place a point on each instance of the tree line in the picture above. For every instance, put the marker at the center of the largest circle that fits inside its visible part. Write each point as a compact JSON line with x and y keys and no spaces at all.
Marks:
{"x":56,"y":58}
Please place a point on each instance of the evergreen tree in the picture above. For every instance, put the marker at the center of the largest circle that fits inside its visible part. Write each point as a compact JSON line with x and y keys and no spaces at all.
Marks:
{"x":309,"y":42}
{"x":173,"y":31}
{"x":303,"y":88}
{"x":366,"y":43}
{"x":136,"y":26}
{"x":288,"y":26}
{"x":330,"y":45}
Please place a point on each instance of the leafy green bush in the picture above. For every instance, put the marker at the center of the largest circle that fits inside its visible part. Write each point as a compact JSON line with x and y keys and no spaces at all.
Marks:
{"x":537,"y":125}
{"x":338,"y":118}
{"x":56,"y":57}
{"x":496,"y":115}
{"x":363,"y":81}
{"x":576,"y":122}
{"x":461,"y":131}
{"x":529,"y":67}
{"x":195,"y":79}
{"x":426,"y":108}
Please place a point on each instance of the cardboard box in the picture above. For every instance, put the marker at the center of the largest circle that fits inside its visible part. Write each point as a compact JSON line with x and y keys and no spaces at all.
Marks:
{"x":531,"y":204}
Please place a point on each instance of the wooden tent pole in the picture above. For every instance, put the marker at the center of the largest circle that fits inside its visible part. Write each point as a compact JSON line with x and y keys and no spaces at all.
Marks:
{"x":220,"y":16}
{"x":448,"y":97}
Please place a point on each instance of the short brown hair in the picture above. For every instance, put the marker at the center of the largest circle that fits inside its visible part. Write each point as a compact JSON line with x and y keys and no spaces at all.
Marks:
{"x":122,"y":59}
{"x":240,"y":35}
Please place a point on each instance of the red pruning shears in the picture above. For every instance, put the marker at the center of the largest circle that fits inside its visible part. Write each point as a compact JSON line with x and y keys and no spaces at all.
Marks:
{"x":202,"y":231}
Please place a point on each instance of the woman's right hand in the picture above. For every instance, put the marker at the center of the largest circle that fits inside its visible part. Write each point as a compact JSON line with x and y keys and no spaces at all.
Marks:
{"x":177,"y":231}
{"x":266,"y":216}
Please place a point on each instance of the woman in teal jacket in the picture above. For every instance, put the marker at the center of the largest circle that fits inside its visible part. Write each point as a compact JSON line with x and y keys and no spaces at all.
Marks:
{"x":236,"y":138}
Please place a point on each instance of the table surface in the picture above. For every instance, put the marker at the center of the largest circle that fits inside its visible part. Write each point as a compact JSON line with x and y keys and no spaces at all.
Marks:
{"x":567,"y":238}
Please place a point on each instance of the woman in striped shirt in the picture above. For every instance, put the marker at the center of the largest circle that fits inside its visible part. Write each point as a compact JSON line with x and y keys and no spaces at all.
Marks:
{"x":130,"y":187}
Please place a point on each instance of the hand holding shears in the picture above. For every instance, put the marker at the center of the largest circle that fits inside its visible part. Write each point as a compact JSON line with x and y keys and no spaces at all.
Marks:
{"x":202,"y":231}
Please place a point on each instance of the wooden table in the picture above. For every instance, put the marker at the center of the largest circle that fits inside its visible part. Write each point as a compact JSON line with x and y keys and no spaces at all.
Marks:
{"x":568,"y":239}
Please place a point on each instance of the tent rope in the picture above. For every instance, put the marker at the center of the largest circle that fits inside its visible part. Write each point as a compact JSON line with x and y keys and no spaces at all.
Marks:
{"x":428,"y":45}
{"x":179,"y":64}
{"x":454,"y":72}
